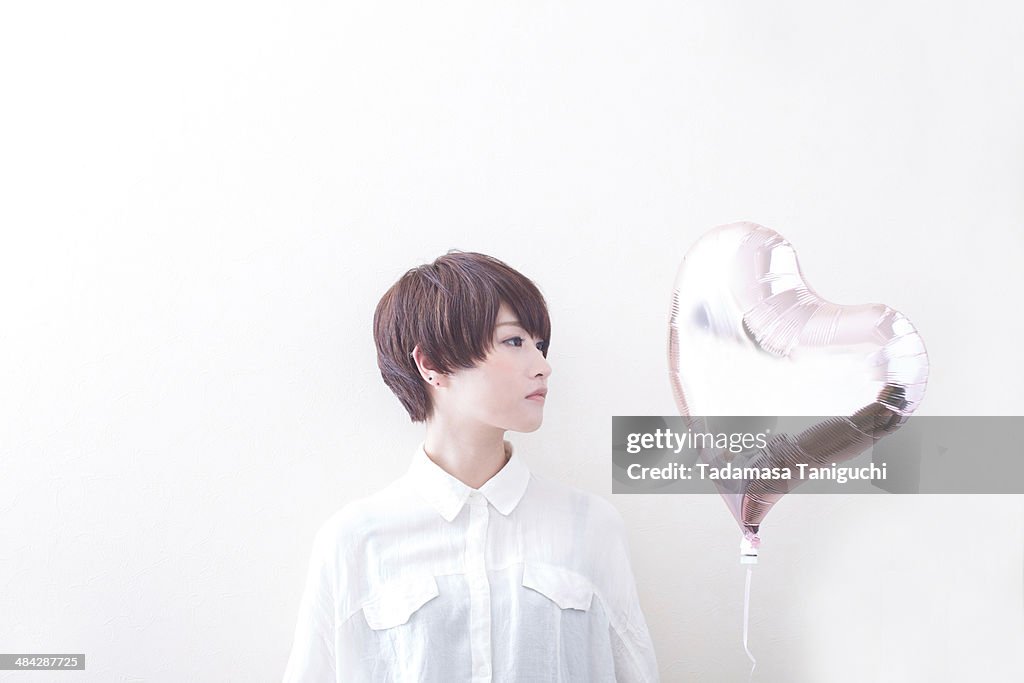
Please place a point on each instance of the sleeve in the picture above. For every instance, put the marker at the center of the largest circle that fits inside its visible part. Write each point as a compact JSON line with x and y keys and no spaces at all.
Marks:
{"x":632,"y":649}
{"x":312,"y":657}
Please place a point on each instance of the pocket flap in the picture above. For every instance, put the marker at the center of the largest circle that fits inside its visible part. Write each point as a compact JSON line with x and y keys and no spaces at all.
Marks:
{"x":395,"y":601}
{"x":565,"y":588}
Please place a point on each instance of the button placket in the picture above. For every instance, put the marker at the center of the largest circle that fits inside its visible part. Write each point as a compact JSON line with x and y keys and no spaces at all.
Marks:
{"x":479,"y":588}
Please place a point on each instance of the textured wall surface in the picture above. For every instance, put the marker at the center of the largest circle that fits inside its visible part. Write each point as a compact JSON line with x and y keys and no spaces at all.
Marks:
{"x":203,"y":202}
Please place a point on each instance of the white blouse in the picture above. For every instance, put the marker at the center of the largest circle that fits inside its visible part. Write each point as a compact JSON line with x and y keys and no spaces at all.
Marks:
{"x":523,"y":579}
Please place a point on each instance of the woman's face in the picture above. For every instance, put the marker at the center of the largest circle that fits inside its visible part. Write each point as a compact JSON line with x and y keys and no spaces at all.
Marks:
{"x":495,"y":391}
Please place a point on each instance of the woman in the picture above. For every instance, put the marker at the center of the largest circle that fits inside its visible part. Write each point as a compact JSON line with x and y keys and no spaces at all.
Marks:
{"x":470,"y":567}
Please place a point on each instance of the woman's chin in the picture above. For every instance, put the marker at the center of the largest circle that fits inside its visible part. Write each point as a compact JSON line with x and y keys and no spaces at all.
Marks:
{"x":533,"y":426}
{"x":526,"y":426}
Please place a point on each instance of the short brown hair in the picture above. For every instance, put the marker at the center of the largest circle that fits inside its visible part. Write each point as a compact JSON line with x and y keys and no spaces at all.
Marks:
{"x":449,"y":308}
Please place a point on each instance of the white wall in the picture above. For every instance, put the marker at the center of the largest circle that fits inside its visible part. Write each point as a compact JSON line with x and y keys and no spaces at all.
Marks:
{"x":202,"y":203}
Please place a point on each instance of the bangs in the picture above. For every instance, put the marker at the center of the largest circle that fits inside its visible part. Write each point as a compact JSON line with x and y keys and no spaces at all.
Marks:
{"x":530,"y":310}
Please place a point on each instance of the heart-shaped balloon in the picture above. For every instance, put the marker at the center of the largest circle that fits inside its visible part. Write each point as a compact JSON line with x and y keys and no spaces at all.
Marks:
{"x":748,"y":336}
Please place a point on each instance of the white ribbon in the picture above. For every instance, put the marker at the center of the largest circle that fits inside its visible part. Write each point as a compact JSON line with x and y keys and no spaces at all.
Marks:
{"x":746,"y":621}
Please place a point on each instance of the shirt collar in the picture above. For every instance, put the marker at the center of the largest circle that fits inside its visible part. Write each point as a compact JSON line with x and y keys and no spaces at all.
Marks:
{"x":447,"y":494}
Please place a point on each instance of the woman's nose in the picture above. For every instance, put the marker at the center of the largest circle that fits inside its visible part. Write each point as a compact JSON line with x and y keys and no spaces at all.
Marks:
{"x":542,"y":366}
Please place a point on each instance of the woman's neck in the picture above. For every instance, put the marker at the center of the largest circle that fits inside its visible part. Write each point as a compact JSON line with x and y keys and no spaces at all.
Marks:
{"x":471,"y":455}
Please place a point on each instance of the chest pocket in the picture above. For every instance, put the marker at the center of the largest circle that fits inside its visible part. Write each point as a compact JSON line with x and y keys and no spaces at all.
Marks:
{"x":564,"y":587}
{"x":395,"y":602}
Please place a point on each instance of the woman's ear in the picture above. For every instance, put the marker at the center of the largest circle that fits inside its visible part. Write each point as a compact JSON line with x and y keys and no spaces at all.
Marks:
{"x":428,"y":371}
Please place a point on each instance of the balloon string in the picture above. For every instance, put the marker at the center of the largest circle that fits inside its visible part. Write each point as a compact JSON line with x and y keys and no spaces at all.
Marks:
{"x":746,"y":621}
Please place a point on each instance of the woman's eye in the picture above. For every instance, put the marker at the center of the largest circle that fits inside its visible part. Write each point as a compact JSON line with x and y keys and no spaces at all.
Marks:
{"x":518,"y":342}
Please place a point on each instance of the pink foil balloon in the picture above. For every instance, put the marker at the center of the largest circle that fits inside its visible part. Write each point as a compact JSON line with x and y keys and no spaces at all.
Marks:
{"x":748,"y":336}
